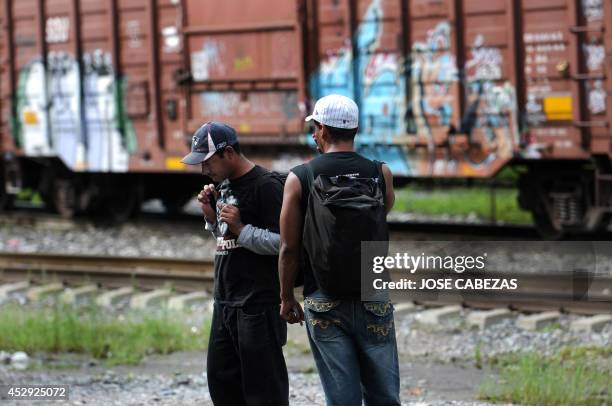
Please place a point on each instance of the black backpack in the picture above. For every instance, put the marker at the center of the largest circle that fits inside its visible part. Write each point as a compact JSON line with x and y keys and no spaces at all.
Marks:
{"x":341,"y":213}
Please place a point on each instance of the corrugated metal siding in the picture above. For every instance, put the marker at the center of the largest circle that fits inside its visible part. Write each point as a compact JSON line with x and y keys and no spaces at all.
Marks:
{"x":246,"y":65}
{"x":445,"y":87}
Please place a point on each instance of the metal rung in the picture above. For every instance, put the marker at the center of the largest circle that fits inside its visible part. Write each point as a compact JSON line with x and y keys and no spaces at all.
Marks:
{"x":590,"y":123}
{"x":577,"y":29}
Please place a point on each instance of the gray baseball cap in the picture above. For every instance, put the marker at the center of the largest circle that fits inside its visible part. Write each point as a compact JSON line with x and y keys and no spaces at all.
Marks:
{"x":207,"y":140}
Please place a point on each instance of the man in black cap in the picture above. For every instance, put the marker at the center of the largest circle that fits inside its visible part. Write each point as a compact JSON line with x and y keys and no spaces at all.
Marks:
{"x":245,"y":363}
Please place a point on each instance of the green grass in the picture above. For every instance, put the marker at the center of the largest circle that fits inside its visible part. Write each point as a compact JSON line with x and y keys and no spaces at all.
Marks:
{"x":117,"y":339}
{"x":462,"y":201}
{"x":573,"y":376}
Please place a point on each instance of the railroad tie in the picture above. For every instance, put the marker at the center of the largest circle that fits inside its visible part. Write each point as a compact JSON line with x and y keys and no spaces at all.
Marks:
{"x":9,"y":289}
{"x":149,"y":299}
{"x":439,"y":315}
{"x":115,"y":296}
{"x":405,"y":307}
{"x":39,"y":292}
{"x":593,"y":324}
{"x":486,"y":318}
{"x":187,"y":300}
{"x":80,"y":294}
{"x":537,"y":321}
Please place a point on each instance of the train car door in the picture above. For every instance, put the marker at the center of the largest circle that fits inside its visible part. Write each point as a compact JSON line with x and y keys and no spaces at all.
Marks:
{"x":246,"y":68}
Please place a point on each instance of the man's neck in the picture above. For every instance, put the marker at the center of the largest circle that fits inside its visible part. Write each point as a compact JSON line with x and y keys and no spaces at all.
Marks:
{"x":242,"y":168}
{"x":341,"y":147}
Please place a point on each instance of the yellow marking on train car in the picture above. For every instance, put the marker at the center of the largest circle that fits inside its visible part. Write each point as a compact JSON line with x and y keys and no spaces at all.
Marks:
{"x":174,"y":164}
{"x":244,"y":128}
{"x":558,"y":108}
{"x":30,"y":117}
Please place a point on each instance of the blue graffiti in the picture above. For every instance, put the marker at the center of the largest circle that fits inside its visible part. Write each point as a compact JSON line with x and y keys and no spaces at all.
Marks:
{"x":375,"y":80}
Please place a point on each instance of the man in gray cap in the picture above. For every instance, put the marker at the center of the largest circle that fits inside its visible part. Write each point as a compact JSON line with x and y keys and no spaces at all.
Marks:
{"x":353,"y":342}
{"x":245,"y":362}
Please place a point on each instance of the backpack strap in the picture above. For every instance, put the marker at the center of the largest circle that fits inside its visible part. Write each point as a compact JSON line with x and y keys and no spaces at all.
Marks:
{"x":309,"y":174}
{"x":381,"y":177}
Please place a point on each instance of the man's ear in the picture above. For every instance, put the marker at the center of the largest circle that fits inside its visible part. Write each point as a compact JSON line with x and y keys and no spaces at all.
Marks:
{"x":325,"y":134}
{"x":231,"y":151}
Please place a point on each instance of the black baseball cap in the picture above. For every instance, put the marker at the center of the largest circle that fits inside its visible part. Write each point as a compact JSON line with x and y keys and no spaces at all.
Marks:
{"x":207,"y":140}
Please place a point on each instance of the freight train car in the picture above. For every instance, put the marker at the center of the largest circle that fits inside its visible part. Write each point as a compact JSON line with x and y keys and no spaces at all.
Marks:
{"x":99,"y":97}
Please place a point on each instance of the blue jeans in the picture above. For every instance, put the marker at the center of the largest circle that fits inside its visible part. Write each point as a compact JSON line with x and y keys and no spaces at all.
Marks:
{"x":355,"y":351}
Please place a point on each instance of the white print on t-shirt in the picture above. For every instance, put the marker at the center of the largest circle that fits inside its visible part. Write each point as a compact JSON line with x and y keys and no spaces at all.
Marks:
{"x":223,"y":245}
{"x":226,"y":197}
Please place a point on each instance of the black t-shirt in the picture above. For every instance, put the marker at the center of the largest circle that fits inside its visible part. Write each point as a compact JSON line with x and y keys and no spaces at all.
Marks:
{"x":242,"y":276}
{"x":332,"y":164}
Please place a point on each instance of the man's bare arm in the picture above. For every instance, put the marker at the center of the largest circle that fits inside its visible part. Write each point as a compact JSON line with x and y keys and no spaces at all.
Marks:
{"x":291,"y":222}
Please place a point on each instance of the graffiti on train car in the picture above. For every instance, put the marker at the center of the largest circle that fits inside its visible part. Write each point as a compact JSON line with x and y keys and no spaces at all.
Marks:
{"x":433,"y":72}
{"x":595,"y":56}
{"x":433,"y":75}
{"x":380,"y":81}
{"x":592,"y":10}
{"x":92,"y":133}
{"x":379,"y":87}
{"x":430,"y":112}
{"x":495,"y":104}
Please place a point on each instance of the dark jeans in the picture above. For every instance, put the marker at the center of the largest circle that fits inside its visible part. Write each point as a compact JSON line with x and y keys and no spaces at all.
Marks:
{"x":354,"y":347}
{"x":245,"y":364}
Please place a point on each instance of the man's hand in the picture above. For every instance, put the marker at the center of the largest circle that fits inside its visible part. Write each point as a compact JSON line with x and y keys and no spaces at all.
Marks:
{"x":204,"y":199}
{"x":230,"y":214}
{"x":291,"y":311}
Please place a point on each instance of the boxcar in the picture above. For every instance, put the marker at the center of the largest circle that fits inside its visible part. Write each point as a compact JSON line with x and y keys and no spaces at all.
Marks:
{"x":99,"y":97}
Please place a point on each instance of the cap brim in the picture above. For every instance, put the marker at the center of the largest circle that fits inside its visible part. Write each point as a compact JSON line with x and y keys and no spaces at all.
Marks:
{"x":195,"y":158}
{"x":310,"y":117}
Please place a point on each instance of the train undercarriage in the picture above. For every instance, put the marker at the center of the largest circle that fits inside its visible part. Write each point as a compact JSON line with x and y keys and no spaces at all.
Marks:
{"x":565,"y":197}
{"x":110,"y":197}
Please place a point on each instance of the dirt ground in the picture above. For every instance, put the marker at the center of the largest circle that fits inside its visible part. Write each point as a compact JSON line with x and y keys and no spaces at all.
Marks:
{"x":179,"y":379}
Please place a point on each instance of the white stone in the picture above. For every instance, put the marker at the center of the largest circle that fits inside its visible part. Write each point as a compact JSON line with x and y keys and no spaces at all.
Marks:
{"x":19,"y":357}
{"x":5,"y":357}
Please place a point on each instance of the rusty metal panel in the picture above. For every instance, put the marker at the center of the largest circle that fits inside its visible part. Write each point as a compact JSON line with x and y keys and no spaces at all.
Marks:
{"x":5,"y":86}
{"x":592,"y":76}
{"x":246,"y":66}
{"x":608,"y":68}
{"x":553,"y":101}
{"x":435,"y":104}
{"x":490,"y":116}
{"x":170,"y":54}
{"x":31,"y":130}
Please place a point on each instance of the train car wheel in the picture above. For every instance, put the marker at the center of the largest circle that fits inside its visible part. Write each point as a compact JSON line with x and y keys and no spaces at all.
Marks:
{"x":120,"y":205}
{"x":65,"y":197}
{"x":545,"y":226}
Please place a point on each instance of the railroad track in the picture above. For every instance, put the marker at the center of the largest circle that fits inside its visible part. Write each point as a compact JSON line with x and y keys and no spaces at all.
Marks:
{"x":109,"y":272}
{"x":581,"y":293}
